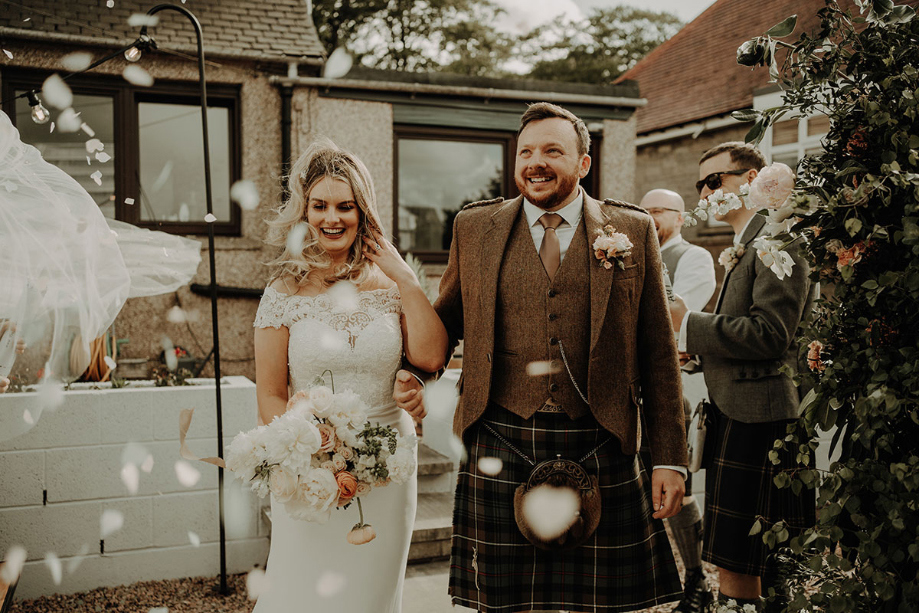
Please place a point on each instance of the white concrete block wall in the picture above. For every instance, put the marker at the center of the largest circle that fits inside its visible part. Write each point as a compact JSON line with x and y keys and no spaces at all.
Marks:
{"x":57,"y":479}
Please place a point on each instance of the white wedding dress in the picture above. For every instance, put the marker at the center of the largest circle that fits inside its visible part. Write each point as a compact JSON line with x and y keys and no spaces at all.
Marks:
{"x":311,"y":567}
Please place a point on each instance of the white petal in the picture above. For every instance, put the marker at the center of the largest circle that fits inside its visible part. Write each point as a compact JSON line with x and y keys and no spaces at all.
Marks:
{"x":56,"y":92}
{"x":27,"y":417}
{"x":194,"y":539}
{"x":50,"y":395}
{"x":210,"y":218}
{"x":169,"y":352}
{"x":142,"y":19}
{"x":12,"y":564}
{"x":295,"y":238}
{"x":76,"y":61}
{"x":176,"y":315}
{"x":68,"y":121}
{"x":540,"y":369}
{"x":130,"y":476}
{"x":330,"y":583}
{"x":344,"y":295}
{"x":111,"y":521}
{"x":257,"y":583}
{"x":338,"y":64}
{"x":74,"y":562}
{"x":245,"y":193}
{"x":551,"y":510}
{"x":110,"y":3}
{"x":135,"y":75}
{"x":8,"y":54}
{"x":89,"y":131}
{"x":94,"y":144}
{"x":103,"y":157}
{"x":110,"y":362}
{"x":97,"y":177}
{"x":490,"y":466}
{"x":187,"y":474}
{"x":129,"y":200}
{"x":147,"y":465}
{"x":54,"y":565}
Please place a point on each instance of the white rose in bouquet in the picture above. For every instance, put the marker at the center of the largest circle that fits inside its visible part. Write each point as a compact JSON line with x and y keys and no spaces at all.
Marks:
{"x":244,"y":454}
{"x":401,"y":465}
{"x":297,"y":438}
{"x":347,"y":436}
{"x":321,"y":398}
{"x":347,"y":410}
{"x":317,"y":494}
{"x":284,"y":484}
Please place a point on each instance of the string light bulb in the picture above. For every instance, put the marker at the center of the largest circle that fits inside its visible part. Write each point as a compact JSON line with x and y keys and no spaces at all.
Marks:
{"x":40,"y":114}
{"x":133,"y":54}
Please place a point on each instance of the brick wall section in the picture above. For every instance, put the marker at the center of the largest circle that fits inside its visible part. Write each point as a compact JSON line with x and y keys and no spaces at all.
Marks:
{"x":269,"y":29}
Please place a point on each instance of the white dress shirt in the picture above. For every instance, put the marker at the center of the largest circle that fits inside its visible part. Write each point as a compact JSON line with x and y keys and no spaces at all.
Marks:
{"x":571,"y":216}
{"x":694,"y":277}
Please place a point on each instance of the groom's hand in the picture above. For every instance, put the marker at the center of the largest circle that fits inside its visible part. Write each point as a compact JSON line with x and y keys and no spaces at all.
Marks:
{"x":667,"y":490}
{"x":409,"y":394}
{"x":678,"y":309}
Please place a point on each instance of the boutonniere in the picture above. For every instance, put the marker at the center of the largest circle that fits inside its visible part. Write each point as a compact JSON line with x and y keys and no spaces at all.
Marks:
{"x":730,"y":256}
{"x":612,"y":246}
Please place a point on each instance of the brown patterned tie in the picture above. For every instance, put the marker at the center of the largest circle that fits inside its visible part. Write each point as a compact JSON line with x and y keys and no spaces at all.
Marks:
{"x":550,"y":251}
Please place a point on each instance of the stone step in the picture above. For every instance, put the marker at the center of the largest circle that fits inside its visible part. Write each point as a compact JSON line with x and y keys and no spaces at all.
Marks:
{"x":436,"y":472}
{"x":433,"y":528}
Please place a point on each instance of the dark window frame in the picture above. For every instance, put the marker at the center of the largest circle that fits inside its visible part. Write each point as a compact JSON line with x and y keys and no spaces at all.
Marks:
{"x":508,"y":140}
{"x":126,"y":98}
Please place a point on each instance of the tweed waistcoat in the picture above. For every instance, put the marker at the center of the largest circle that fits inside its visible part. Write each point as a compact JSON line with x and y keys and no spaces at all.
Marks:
{"x":671,"y":257}
{"x":535,"y":320}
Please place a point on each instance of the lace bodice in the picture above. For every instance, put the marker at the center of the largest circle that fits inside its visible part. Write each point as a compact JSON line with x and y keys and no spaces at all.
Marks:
{"x":355,"y":335}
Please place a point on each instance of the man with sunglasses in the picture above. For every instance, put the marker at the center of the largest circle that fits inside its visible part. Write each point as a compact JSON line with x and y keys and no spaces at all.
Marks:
{"x":742,"y":346}
{"x":692,"y":274}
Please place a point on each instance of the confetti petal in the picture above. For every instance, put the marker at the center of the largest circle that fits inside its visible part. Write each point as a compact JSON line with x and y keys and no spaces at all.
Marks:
{"x":541,"y":369}
{"x":194,"y":539}
{"x":111,"y":521}
{"x":110,"y":3}
{"x":110,"y":362}
{"x":50,"y":395}
{"x":68,"y":121}
{"x":130,"y":476}
{"x":490,"y":466}
{"x":77,"y":61}
{"x":97,"y":177}
{"x":147,"y":466}
{"x":210,"y":218}
{"x":89,"y":131}
{"x":344,"y":295}
{"x":129,"y":201}
{"x":330,"y":584}
{"x":187,"y":474}
{"x":338,"y":64}
{"x":8,"y":54}
{"x":103,"y":157}
{"x":12,"y":564}
{"x":54,"y":565}
{"x":94,"y":144}
{"x":74,"y":563}
{"x":142,"y":19}
{"x":135,"y":75}
{"x":27,"y":417}
{"x":295,"y":238}
{"x":551,"y":510}
{"x":257,"y":583}
{"x":56,"y":92}
{"x":176,"y":315}
{"x":169,"y":352}
{"x":245,"y":193}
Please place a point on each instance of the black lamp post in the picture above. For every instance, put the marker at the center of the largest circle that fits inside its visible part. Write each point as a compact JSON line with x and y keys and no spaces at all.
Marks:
{"x":148,"y":42}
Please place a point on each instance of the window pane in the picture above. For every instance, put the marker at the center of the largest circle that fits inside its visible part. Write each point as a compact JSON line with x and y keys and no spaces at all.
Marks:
{"x":172,"y":162}
{"x":68,"y":151}
{"x":436,"y":179}
{"x":818,"y":125}
{"x":785,"y":132}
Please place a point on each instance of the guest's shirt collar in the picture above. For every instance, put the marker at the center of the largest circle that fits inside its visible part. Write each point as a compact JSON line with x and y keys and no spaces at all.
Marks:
{"x":571,"y":212}
{"x":739,"y":236}
{"x":672,"y":241}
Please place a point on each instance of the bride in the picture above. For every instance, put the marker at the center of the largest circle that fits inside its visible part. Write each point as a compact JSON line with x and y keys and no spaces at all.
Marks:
{"x":341,"y":300}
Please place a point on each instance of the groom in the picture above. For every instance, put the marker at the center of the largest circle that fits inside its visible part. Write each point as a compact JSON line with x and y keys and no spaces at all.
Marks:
{"x":561,"y":353}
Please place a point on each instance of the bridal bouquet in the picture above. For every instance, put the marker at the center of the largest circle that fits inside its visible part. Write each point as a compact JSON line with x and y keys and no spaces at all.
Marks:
{"x":322,"y":454}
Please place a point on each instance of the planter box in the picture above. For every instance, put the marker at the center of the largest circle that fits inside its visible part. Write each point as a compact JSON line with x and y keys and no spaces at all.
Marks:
{"x":58,"y":478}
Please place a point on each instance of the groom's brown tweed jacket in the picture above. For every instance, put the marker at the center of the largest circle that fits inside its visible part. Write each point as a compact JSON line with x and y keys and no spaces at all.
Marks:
{"x":632,"y":357}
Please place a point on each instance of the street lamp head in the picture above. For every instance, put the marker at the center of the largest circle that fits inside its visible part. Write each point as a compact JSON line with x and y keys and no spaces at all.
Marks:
{"x":40,"y":114}
{"x":143,"y":43}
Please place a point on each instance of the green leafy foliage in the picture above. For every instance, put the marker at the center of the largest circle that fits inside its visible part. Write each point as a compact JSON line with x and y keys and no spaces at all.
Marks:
{"x":858,"y":211}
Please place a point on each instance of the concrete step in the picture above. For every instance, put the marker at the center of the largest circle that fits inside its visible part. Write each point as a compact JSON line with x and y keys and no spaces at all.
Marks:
{"x":433,"y":528}
{"x":436,"y":472}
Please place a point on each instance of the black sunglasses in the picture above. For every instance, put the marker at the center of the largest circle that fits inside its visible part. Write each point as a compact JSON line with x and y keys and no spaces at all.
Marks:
{"x":713,"y":181}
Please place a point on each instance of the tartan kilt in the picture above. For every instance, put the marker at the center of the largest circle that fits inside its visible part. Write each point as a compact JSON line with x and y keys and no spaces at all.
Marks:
{"x":739,"y":488}
{"x":627,"y":564}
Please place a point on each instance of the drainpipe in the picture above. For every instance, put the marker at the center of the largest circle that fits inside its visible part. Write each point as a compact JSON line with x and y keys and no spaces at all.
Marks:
{"x":287,"y":94}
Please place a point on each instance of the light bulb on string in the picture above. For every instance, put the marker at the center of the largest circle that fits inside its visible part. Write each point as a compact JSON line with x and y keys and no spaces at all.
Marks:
{"x":40,"y":114}
{"x":133,"y":54}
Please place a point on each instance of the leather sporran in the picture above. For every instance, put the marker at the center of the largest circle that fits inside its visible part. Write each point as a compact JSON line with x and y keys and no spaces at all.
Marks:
{"x":561,"y":473}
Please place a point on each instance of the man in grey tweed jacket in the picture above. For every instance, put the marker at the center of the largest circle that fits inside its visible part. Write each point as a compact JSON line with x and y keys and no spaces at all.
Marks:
{"x":742,"y":347}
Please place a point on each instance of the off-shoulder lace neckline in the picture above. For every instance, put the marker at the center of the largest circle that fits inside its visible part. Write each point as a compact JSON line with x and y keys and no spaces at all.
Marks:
{"x":393,"y":289}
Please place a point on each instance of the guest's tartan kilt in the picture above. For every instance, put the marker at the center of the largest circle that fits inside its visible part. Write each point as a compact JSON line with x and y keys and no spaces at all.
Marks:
{"x":626,"y":565}
{"x":739,"y":487}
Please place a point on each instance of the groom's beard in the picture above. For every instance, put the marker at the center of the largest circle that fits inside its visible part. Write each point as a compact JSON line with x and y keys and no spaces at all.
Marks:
{"x":546,"y":201}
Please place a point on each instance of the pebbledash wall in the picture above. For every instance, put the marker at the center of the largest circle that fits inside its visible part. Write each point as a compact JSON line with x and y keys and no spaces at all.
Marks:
{"x":58,"y":479}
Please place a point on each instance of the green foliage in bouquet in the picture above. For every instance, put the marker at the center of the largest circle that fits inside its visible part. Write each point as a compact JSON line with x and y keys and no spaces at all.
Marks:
{"x":858,"y":211}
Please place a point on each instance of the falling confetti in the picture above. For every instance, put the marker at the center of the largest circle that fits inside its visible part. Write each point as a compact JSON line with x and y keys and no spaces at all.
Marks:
{"x":147,"y":466}
{"x":159,"y":610}
{"x":50,"y":395}
{"x":54,"y":565}
{"x":490,"y":466}
{"x":295,"y":238}
{"x":74,"y":563}
{"x":169,"y":352}
{"x":129,"y":201}
{"x":344,"y":295}
{"x":97,"y":177}
{"x":8,"y":54}
{"x":194,"y":539}
{"x":89,"y":131}
{"x":187,"y":474}
{"x":130,"y":476}
{"x":89,"y":162}
{"x":27,"y":417}
{"x":77,"y":61}
{"x":176,"y":315}
{"x":457,"y":448}
{"x":12,"y":564}
{"x":257,"y":583}
{"x":141,"y":19}
{"x":94,"y":144}
{"x":541,"y":369}
{"x":103,"y":157}
{"x":110,"y":362}
{"x":245,"y":193}
{"x":551,"y":510}
{"x":68,"y":121}
{"x":52,"y":127}
{"x":338,"y":64}
{"x":330,"y":584}
{"x":110,"y":3}
{"x":57,"y":93}
{"x":162,"y":177}
{"x":135,"y":75}
{"x":210,"y":218}
{"x":110,"y":522}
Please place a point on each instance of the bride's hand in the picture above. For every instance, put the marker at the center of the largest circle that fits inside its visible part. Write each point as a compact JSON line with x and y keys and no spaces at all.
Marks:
{"x":409,"y":395}
{"x":385,"y":255}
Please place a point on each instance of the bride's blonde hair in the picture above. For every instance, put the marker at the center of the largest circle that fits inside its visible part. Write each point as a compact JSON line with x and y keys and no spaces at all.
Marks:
{"x":320,"y":160}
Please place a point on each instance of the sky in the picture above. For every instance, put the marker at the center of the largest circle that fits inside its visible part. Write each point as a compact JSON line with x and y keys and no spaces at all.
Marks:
{"x":524,"y":15}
